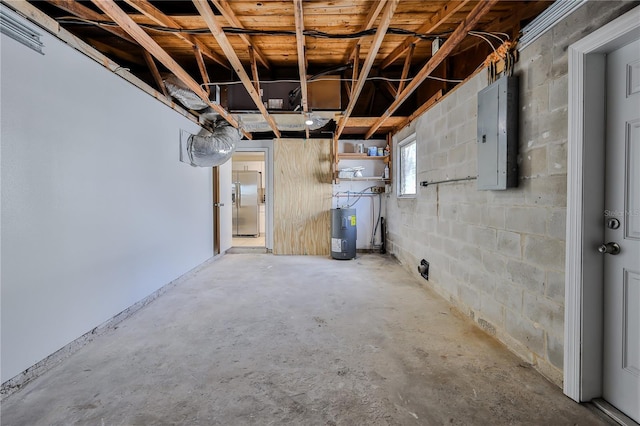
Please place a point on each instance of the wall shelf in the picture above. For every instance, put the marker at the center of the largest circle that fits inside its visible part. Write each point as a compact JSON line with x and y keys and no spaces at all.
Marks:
{"x":356,"y":156}
{"x":366,"y":179}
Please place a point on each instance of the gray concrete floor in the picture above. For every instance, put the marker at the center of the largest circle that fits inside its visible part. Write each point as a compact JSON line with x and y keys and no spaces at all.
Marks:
{"x":243,"y":241}
{"x":257,"y":339}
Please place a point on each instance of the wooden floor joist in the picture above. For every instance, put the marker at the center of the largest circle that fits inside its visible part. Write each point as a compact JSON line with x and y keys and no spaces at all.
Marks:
{"x":454,"y":40}
{"x":153,"y":13}
{"x":127,"y":24}
{"x":225,"y":8}
{"x":154,"y":72}
{"x":302,"y":60}
{"x":276,"y":41}
{"x":445,"y":12}
{"x":381,"y":31}
{"x":205,"y":11}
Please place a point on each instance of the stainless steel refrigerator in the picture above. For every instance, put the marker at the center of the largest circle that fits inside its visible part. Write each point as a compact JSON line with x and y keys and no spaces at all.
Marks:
{"x":245,"y":193}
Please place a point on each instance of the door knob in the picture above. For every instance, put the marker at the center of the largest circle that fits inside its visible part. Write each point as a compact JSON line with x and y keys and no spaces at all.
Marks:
{"x":609,"y":248}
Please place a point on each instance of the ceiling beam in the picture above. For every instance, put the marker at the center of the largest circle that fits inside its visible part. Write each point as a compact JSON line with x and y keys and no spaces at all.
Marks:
{"x":77,"y":9}
{"x":424,"y":107}
{"x":154,"y":72}
{"x":368,"y":63}
{"x":124,"y":53}
{"x":205,"y":11}
{"x":405,"y":69}
{"x":354,"y":70}
{"x":438,"y":18}
{"x":389,"y":88}
{"x":510,"y":19}
{"x":203,"y":69}
{"x":368,"y":121}
{"x":302,"y":58}
{"x":449,"y":45}
{"x":254,"y":69}
{"x":300,"y":47}
{"x":225,"y":8}
{"x":157,"y":16}
{"x":368,"y":24}
{"x":347,"y":88}
{"x":137,"y":33}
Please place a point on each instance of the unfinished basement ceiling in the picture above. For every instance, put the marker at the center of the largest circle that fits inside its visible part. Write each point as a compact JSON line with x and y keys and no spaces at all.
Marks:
{"x":358,"y":68}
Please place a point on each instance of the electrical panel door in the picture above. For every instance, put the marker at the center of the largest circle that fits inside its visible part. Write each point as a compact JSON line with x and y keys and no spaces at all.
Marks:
{"x":498,"y":134}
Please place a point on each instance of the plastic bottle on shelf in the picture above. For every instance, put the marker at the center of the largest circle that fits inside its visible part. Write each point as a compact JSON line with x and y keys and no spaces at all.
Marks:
{"x":386,"y":172}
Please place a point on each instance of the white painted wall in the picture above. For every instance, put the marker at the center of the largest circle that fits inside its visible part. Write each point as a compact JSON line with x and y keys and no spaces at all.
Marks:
{"x":97,"y":211}
{"x":368,"y":207}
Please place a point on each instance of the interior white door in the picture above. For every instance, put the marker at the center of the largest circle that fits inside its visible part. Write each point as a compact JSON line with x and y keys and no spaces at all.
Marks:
{"x":621,"y":248}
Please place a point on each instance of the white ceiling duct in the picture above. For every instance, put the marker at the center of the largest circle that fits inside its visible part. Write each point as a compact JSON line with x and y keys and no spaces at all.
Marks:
{"x":291,"y":122}
{"x":251,"y":122}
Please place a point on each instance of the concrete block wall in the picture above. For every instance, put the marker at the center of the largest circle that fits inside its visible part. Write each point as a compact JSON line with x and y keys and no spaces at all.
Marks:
{"x":499,"y":256}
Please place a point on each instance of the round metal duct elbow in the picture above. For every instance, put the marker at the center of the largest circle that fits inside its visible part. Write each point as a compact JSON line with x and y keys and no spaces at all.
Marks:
{"x":215,"y":149}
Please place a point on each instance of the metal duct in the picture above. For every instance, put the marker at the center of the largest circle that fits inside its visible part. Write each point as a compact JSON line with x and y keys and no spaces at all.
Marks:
{"x":184,"y":95}
{"x":288,"y":123}
{"x":215,"y":149}
{"x":209,"y":114}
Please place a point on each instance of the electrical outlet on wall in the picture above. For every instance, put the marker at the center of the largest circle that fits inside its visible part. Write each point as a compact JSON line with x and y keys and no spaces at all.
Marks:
{"x":378,"y":189}
{"x":423,"y":269}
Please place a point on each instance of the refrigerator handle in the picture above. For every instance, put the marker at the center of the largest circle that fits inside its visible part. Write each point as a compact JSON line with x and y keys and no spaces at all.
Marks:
{"x":238,"y":195}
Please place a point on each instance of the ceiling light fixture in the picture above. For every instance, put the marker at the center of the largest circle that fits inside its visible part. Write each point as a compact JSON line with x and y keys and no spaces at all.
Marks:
{"x":308,"y":120}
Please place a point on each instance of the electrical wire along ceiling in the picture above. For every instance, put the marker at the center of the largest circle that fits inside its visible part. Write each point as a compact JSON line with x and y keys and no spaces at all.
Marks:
{"x":318,"y":68}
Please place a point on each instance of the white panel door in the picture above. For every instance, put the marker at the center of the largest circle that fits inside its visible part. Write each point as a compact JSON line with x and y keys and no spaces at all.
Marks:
{"x":622,"y":232}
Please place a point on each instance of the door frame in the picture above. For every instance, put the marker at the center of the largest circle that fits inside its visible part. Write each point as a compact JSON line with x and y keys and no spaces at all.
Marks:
{"x":265,"y":146}
{"x":215,"y":175}
{"x":584,"y":272}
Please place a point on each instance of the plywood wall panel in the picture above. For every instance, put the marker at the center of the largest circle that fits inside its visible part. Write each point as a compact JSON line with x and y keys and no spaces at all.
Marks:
{"x":302,"y":197}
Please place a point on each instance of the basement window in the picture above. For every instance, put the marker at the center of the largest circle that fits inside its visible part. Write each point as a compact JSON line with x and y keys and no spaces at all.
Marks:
{"x":407,"y":166}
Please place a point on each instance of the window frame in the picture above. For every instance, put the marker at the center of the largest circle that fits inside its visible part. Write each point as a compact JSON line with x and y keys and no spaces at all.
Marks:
{"x":410,"y":140}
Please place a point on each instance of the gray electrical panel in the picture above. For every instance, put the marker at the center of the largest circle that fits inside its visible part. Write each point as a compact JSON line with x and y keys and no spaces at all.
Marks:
{"x":498,"y":134}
